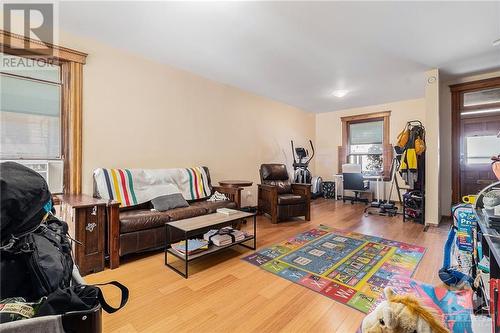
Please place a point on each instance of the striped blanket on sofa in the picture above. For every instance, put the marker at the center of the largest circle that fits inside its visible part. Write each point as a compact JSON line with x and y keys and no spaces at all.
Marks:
{"x":135,"y":186}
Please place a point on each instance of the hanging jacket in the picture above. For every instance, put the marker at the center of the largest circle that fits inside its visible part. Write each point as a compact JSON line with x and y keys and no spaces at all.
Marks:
{"x":415,"y":146}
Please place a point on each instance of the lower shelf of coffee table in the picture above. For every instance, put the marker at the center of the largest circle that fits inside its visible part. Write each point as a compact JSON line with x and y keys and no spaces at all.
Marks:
{"x":211,"y":249}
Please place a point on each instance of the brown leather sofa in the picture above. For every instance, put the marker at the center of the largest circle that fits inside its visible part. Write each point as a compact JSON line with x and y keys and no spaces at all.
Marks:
{"x":279,"y":198}
{"x":138,"y":229}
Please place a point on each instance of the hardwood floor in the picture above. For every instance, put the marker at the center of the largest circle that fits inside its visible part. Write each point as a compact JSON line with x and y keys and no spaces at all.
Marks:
{"x":226,"y":294}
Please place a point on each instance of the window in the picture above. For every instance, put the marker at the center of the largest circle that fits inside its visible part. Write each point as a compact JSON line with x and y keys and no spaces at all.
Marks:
{"x":41,"y":109}
{"x":365,"y":141}
{"x":479,"y":149}
{"x":30,"y":109}
{"x":366,"y":145}
{"x":482,"y":97}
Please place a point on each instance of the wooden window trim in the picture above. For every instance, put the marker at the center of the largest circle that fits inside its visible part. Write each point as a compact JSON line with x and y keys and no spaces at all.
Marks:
{"x":71,"y":62}
{"x":11,"y":44}
{"x":457,"y":95}
{"x":386,"y":146}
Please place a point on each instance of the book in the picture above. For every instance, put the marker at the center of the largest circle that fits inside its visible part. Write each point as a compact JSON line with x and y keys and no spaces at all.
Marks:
{"x":194,"y":246}
{"x":226,"y":211}
{"x":221,"y":240}
{"x":223,"y":236}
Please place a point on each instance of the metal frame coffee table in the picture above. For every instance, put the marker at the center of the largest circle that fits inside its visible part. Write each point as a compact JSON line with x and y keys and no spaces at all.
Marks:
{"x":198,"y":225}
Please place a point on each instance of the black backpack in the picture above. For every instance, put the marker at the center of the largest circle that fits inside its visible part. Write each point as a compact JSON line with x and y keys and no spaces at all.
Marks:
{"x":24,"y":200}
{"x":35,"y":250}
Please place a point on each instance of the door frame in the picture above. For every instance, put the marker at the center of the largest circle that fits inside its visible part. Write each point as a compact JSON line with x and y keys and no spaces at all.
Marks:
{"x":457,"y":93}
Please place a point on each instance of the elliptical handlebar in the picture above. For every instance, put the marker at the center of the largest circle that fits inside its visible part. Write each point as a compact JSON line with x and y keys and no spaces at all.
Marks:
{"x":312,"y":148}
{"x":295,"y":160}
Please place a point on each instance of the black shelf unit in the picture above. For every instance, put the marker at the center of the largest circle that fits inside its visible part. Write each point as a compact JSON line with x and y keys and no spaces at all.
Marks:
{"x":490,"y":243}
{"x":420,"y":218}
{"x":419,"y":202}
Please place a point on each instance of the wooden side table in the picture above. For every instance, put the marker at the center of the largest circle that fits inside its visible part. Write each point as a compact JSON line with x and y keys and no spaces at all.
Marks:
{"x":86,"y":218}
{"x":235,"y":183}
{"x":239,"y":183}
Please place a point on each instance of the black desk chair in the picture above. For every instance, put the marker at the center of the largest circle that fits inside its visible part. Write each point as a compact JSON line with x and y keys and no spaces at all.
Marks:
{"x":354,"y":181}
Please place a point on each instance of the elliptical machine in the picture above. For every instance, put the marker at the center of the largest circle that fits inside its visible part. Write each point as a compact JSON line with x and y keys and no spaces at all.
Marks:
{"x":301,"y":160}
{"x":302,"y":175}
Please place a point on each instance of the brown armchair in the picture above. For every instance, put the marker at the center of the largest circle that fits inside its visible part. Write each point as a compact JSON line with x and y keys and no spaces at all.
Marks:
{"x":279,"y":198}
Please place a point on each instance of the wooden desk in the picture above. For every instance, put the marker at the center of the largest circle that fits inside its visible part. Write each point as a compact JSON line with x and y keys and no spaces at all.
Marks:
{"x":339,"y":178}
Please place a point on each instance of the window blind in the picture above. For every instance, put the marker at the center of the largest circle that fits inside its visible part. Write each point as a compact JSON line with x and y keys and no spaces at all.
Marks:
{"x":366,"y":133}
{"x":366,"y":137}
{"x":30,"y":112}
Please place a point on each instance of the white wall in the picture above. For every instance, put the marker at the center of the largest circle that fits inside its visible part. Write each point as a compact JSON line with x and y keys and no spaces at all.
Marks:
{"x":141,"y":114}
{"x":329,"y":125}
{"x":432,"y":131}
{"x":445,"y":138}
{"x":329,"y":137}
{"x":329,"y":134}
{"x":144,"y":114}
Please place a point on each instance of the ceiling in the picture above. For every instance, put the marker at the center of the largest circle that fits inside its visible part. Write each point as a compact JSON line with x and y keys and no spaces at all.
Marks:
{"x":299,"y":52}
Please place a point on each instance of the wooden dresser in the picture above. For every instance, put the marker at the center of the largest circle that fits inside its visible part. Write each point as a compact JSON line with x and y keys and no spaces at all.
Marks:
{"x":86,"y":217}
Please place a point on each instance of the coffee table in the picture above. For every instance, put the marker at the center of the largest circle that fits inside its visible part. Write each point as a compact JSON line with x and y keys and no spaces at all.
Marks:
{"x":196,"y":226}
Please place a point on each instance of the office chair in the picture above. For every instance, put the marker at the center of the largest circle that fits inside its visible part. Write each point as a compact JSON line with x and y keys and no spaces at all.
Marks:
{"x":353,"y":181}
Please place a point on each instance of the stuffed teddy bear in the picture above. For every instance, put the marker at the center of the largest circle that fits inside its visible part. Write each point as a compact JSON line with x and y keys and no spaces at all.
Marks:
{"x":401,"y":314}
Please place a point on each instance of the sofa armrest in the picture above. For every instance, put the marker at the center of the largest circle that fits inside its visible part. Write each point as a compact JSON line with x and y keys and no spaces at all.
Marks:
{"x":234,"y":193}
{"x":113,"y":226}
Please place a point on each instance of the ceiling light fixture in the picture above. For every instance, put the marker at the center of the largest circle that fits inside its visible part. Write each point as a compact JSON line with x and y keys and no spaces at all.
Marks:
{"x":340,"y":93}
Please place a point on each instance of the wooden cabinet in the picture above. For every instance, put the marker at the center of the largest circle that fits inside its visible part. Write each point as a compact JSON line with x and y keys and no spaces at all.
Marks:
{"x":86,"y":217}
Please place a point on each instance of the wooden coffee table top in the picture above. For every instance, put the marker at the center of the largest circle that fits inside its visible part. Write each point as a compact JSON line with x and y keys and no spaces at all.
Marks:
{"x":208,"y":220}
{"x":236,"y":183}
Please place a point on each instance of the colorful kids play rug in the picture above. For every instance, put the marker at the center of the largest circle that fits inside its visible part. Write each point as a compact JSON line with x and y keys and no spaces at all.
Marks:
{"x":348,"y":267}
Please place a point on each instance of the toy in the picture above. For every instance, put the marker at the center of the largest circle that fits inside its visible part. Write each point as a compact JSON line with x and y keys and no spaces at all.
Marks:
{"x":459,"y":250}
{"x":401,"y":314}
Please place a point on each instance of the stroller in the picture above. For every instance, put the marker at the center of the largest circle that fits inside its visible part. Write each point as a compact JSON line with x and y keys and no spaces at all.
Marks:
{"x":37,"y":273}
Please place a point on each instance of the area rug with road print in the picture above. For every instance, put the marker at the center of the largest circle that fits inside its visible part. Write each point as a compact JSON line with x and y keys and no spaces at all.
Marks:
{"x":349,"y":267}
